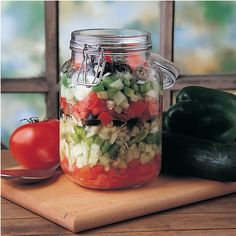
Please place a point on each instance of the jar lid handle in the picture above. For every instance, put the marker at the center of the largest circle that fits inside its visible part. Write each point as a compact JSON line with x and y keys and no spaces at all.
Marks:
{"x":168,"y":69}
{"x":90,"y":52}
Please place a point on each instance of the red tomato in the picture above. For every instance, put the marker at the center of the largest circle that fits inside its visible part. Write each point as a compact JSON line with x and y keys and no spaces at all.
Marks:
{"x":136,"y":109}
{"x":105,"y":118}
{"x":108,"y":56}
{"x":135,"y":60}
{"x":63,"y":102}
{"x":36,"y":145}
{"x":80,"y":110}
{"x":65,"y":106}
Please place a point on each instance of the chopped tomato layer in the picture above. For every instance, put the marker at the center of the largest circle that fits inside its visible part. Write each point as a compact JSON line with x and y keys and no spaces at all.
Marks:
{"x":98,"y":178}
{"x":142,"y":109}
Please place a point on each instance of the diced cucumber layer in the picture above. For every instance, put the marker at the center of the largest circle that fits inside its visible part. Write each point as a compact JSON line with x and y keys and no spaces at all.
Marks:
{"x":118,"y":98}
{"x":144,"y":88}
{"x":151,"y":93}
{"x":107,"y":81}
{"x":117,"y":84}
{"x":103,"y":95}
{"x":128,"y":92}
{"x":127,"y":81}
{"x":135,"y":87}
{"x":98,"y":88}
{"x":111,"y":92}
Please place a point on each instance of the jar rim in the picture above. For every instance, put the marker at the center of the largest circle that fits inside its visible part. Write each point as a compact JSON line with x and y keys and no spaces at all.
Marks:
{"x":111,"y":39}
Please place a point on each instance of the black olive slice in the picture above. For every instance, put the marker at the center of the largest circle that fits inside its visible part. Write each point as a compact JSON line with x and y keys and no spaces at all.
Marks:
{"x":118,"y":122}
{"x":92,"y":117}
{"x":122,"y":67}
{"x":91,"y":122}
{"x":132,"y":122}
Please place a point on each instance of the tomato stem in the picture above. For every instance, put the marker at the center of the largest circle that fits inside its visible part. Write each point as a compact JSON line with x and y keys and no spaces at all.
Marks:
{"x":33,"y":119}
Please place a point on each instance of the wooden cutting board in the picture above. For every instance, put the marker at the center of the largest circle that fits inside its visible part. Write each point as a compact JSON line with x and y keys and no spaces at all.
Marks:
{"x":77,"y":208}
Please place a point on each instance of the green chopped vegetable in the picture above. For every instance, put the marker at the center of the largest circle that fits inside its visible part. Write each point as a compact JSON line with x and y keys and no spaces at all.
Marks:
{"x":144,"y":88}
{"x":98,"y":88}
{"x":89,"y":141}
{"x":117,"y":84}
{"x":135,"y":87}
{"x":103,"y":94}
{"x":141,"y":136}
{"x":113,"y":149}
{"x":128,"y":92}
{"x":152,"y":138}
{"x":76,"y":139}
{"x":65,"y":80}
{"x":111,"y":92}
{"x":98,"y":141}
{"x":118,"y":98}
{"x":127,"y":81}
{"x":106,"y":146}
{"x":107,"y":81}
{"x":80,"y":132}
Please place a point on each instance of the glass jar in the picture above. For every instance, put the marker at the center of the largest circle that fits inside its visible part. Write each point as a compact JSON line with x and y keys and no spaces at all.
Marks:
{"x":111,"y":103}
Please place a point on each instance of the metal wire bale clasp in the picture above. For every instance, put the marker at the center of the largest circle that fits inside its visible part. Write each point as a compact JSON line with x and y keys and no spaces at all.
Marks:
{"x":92,"y":66}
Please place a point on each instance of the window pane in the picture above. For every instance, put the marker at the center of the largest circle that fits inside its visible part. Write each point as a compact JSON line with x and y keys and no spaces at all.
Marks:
{"x":17,"y":106}
{"x":205,"y":37}
{"x":107,"y":14}
{"x":22,"y":39}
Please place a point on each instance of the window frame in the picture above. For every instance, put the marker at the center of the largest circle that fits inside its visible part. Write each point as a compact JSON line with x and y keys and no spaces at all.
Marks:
{"x":48,"y":84}
{"x":223,"y":81}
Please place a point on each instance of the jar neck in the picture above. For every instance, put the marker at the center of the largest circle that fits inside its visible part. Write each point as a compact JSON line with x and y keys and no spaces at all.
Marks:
{"x":77,"y":56}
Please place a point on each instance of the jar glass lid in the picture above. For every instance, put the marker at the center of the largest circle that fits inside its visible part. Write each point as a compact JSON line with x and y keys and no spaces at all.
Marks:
{"x":111,"y":39}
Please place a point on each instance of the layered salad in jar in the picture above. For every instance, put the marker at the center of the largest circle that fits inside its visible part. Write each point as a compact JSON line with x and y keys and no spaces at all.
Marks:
{"x":110,"y":133}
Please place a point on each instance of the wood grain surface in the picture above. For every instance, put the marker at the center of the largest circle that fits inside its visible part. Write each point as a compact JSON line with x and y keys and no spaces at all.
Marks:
{"x":212,"y":217}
